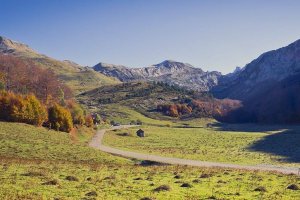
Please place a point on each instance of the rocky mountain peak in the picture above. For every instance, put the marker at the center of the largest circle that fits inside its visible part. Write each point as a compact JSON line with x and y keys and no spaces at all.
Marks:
{"x":9,"y":46}
{"x":171,"y":64}
{"x":263,"y":72}
{"x":168,"y":71}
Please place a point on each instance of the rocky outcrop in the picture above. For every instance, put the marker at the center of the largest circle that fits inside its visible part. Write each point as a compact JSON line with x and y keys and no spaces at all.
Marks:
{"x":260,"y":74}
{"x":171,"y":72}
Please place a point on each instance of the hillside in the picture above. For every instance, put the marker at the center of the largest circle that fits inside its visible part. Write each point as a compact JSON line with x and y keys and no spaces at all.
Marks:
{"x":143,"y":97}
{"x":155,"y":100}
{"x":77,"y":77}
{"x":262,"y":73}
{"x":170,"y":72}
{"x":268,"y":86}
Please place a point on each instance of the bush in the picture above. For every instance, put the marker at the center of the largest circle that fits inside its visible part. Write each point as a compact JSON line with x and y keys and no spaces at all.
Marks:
{"x":77,"y":112}
{"x":60,"y":118}
{"x":36,"y":112}
{"x":89,"y":122}
{"x":24,"y":109}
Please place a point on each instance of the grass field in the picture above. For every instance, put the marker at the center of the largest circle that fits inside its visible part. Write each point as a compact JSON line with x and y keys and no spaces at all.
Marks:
{"x":36,"y":163}
{"x":241,"y":144}
{"x":52,"y":181}
{"x":125,"y":115}
{"x":28,"y":142}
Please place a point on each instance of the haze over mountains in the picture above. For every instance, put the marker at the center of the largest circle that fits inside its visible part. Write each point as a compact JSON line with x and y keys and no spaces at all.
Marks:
{"x":269,"y":84}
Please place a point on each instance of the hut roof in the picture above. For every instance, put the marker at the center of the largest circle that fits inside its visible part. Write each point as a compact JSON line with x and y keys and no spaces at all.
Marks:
{"x":140,"y":131}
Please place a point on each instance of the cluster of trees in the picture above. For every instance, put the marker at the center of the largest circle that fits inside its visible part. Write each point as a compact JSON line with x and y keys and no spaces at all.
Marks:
{"x":200,"y":108}
{"x":34,"y":95}
{"x":214,"y":108}
{"x":175,"y":110}
{"x":18,"y":108}
{"x":24,"y":77}
{"x":29,"y":109}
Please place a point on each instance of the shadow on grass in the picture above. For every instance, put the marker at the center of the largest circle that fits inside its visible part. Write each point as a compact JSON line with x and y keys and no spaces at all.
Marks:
{"x":280,"y":140}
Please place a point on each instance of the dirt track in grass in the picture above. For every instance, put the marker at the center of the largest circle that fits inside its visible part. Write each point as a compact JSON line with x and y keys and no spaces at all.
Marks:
{"x":96,"y":142}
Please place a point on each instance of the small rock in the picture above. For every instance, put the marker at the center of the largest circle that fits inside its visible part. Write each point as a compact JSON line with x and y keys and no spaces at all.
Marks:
{"x":205,"y":176}
{"x":147,"y":198}
{"x":92,"y":193}
{"x":196,"y":181}
{"x":162,"y":188}
{"x":186,"y":185}
{"x":71,"y":178}
{"x":293,"y":187}
{"x":177,"y":176}
{"x":52,"y":182}
{"x":260,"y":189}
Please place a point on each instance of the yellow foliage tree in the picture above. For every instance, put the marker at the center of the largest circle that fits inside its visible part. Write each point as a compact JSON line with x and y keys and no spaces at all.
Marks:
{"x":60,"y":118}
{"x":25,"y":109}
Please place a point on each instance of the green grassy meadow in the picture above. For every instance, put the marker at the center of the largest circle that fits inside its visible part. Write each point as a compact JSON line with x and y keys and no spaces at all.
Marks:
{"x":37,"y":163}
{"x":229,"y":145}
{"x":50,"y":180}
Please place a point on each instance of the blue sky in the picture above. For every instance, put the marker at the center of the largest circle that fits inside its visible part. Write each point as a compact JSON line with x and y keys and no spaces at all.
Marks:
{"x":213,"y":35}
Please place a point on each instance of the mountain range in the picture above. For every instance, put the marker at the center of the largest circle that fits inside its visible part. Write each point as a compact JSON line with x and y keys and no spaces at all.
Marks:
{"x":268,"y":83}
{"x":168,"y":71}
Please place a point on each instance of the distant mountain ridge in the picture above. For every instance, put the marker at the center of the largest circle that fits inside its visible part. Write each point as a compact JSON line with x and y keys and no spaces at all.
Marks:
{"x":272,"y":66}
{"x":168,"y":71}
{"x":78,"y":77}
{"x":269,"y":87}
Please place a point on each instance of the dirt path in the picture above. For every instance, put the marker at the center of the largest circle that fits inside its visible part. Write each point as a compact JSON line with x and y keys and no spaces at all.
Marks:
{"x":96,"y":142}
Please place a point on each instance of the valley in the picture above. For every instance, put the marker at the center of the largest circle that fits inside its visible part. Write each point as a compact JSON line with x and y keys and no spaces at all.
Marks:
{"x":238,"y":144}
{"x":48,"y":123}
{"x":63,"y":169}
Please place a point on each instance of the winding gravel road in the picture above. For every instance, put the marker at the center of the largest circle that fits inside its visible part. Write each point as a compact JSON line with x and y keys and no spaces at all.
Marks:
{"x":96,"y":142}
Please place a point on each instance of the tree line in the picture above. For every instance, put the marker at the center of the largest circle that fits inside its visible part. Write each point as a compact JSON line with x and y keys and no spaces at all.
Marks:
{"x":34,"y":95}
{"x":215,"y":108}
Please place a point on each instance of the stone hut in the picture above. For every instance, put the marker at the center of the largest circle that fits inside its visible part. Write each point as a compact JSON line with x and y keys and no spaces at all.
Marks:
{"x":140,"y":133}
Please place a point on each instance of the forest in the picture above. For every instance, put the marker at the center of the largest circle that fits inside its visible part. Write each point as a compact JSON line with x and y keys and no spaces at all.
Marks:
{"x":34,"y":95}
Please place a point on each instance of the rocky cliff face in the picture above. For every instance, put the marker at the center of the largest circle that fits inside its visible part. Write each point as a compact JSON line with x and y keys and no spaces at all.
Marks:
{"x":260,"y":74}
{"x":171,"y":72}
